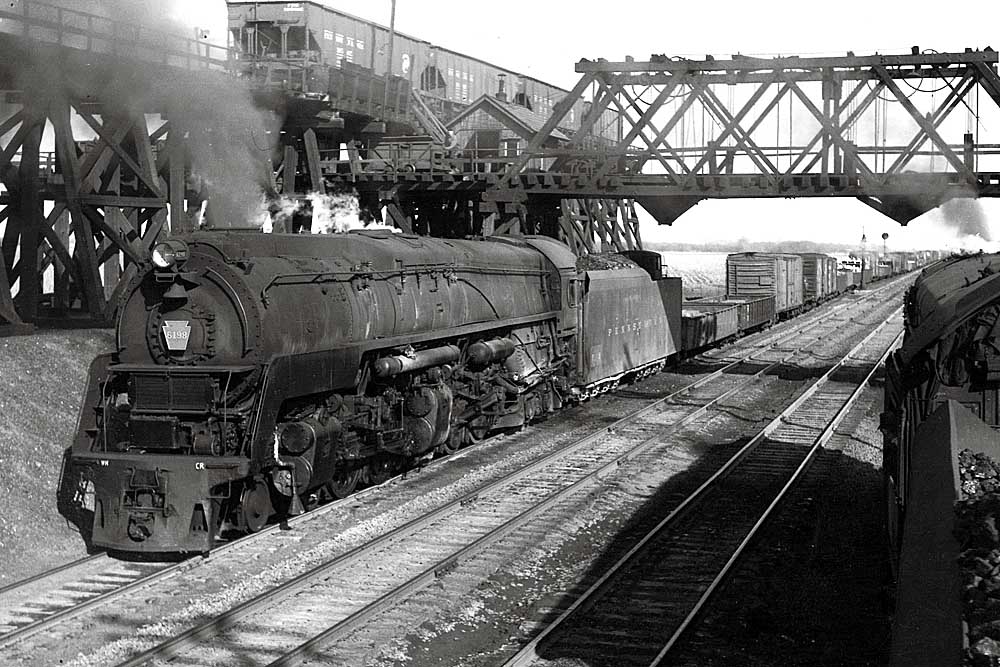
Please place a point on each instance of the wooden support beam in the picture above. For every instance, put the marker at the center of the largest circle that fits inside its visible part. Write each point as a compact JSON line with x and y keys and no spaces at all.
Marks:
{"x":29,"y":210}
{"x":313,"y":160}
{"x":8,"y":313}
{"x":178,"y":217}
{"x":145,"y":171}
{"x":11,"y":122}
{"x":97,"y":221}
{"x":97,"y":160}
{"x":398,"y":217}
{"x":146,"y":159}
{"x":289,"y":167}
{"x":85,"y":250}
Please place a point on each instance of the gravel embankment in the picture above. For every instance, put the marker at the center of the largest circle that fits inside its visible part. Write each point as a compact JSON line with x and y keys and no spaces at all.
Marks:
{"x":42,"y":378}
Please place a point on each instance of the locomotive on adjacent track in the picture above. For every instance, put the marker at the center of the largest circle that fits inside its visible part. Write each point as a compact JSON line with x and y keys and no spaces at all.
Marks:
{"x":950,"y":354}
{"x":254,"y":371}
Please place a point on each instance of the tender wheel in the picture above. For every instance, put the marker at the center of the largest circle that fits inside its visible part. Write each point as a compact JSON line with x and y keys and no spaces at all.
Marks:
{"x":255,"y":506}
{"x":344,"y":481}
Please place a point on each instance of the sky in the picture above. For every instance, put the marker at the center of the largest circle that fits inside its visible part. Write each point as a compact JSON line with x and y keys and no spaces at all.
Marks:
{"x":545,"y":39}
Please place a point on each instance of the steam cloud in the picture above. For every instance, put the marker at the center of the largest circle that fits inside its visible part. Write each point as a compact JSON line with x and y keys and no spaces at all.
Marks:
{"x":965,"y":217}
{"x":229,"y":139}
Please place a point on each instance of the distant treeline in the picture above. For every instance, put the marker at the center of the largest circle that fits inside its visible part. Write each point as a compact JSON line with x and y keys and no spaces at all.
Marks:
{"x":746,"y":245}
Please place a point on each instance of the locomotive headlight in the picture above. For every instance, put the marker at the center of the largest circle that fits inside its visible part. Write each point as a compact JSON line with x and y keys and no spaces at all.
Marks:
{"x":169,"y":253}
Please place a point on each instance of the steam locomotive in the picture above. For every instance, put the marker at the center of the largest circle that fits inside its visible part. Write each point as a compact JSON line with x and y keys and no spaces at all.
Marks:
{"x":942,"y":391}
{"x":257,"y":371}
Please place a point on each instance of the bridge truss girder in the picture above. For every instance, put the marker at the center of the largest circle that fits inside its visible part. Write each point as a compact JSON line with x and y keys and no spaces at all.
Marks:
{"x":734,"y":103}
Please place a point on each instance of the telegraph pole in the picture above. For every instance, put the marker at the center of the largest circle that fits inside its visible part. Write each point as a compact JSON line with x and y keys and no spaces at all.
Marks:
{"x":864,"y":239}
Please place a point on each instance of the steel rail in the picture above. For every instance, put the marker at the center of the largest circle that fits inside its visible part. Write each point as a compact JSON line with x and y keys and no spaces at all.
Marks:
{"x":22,"y":583}
{"x":435,"y":571}
{"x":354,"y":621}
{"x":27,"y":630}
{"x":529,"y":652}
{"x":235,"y":615}
{"x":67,"y":613}
{"x":800,"y":471}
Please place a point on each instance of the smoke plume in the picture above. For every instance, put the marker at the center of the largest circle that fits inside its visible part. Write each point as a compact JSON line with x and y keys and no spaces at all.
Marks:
{"x":228,"y":138}
{"x":965,"y":217}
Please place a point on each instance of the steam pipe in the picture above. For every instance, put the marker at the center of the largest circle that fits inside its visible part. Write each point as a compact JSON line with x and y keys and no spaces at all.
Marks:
{"x":394,"y":365}
{"x":488,"y":351}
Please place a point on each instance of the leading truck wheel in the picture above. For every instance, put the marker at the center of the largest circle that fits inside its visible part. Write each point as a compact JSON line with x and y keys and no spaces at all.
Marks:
{"x":344,"y":481}
{"x":255,"y":506}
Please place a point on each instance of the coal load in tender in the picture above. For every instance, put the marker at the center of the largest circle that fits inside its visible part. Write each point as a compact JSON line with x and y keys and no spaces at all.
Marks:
{"x":977,"y":532}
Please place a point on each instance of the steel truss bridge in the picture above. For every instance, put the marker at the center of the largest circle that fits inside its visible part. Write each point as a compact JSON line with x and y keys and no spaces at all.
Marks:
{"x":901,"y":133}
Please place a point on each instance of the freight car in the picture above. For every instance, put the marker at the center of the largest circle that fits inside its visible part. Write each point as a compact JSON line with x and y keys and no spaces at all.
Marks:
{"x":254,"y":372}
{"x":707,"y":322}
{"x":757,"y":274}
{"x":710,"y":321}
{"x":819,"y":277}
{"x":311,"y":49}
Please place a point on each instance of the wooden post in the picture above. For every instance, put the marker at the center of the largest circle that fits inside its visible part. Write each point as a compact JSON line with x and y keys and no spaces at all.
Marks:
{"x":313,"y":160}
{"x":85,"y":251}
{"x":29,"y":210}
{"x":175,"y":192}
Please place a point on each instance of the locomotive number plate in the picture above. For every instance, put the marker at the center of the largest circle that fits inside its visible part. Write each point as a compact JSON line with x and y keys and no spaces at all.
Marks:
{"x":176,"y":333}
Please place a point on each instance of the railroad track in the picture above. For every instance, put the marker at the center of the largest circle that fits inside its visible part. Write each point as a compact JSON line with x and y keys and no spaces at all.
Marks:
{"x":665,"y":582}
{"x":356,"y":586}
{"x":55,"y":597}
{"x":41,"y":602}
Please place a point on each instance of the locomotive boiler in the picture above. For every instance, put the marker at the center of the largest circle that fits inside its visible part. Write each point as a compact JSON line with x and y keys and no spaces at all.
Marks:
{"x":255,"y":371}
{"x":942,"y":391}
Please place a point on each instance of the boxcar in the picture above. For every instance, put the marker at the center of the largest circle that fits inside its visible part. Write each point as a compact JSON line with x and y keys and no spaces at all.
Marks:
{"x":819,"y":282}
{"x":757,"y":274}
{"x":831,"y":276}
{"x":704,"y":322}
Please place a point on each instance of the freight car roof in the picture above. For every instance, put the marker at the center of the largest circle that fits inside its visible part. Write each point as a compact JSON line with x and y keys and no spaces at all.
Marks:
{"x":331,"y":10}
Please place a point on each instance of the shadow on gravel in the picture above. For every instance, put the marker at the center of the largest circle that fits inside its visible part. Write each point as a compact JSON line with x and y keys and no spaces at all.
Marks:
{"x":811,"y":593}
